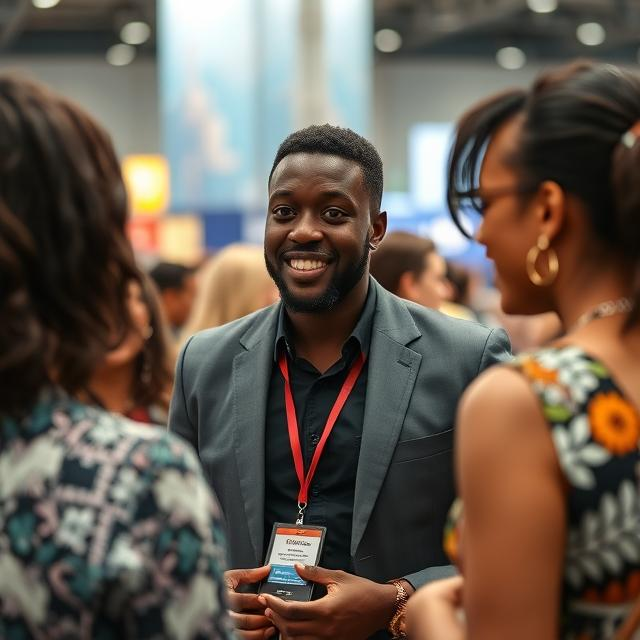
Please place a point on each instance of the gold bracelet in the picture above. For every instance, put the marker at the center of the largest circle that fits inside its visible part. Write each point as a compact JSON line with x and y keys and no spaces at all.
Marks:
{"x":397,"y":625}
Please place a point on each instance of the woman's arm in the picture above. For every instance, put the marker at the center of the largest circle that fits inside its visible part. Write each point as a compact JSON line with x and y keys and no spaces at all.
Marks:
{"x":515,"y":522}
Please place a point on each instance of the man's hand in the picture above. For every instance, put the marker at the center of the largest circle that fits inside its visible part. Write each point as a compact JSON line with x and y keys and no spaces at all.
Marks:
{"x":434,"y":612}
{"x":247,"y":611}
{"x":353,"y":609}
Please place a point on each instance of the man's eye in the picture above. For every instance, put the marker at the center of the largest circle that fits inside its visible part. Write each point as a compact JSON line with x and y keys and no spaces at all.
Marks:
{"x":334,"y":214}
{"x":283,"y":212}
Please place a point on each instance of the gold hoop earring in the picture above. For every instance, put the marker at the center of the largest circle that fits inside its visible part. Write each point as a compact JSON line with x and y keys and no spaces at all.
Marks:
{"x":552,"y":263}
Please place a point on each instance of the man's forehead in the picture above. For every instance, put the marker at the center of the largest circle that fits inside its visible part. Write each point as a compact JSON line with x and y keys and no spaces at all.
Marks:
{"x":313,"y":166}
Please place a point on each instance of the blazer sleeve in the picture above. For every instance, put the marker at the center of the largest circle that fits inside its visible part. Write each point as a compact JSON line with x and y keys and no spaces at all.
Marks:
{"x":420,"y":578}
{"x":179,"y":421}
{"x":497,"y":348}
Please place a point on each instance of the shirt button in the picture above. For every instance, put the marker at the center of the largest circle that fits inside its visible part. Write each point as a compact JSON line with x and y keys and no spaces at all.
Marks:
{"x":315,"y":492}
{"x":315,"y":438}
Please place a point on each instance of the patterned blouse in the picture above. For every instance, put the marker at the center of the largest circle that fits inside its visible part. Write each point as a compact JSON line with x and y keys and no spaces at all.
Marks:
{"x":107,"y":530}
{"x":596,"y":433}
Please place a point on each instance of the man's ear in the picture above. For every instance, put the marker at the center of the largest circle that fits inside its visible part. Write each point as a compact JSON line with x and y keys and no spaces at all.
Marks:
{"x":377,"y":229}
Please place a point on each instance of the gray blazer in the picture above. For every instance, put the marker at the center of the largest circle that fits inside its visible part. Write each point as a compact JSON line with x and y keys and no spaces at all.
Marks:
{"x":420,"y":362}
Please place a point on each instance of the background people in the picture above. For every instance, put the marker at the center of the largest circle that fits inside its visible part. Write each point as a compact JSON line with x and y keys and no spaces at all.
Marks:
{"x":107,"y":528}
{"x":458,"y":304}
{"x":233,"y":283}
{"x":409,"y":266}
{"x":548,"y":447}
{"x":323,"y":220}
{"x":135,"y":378}
{"x":177,"y":286}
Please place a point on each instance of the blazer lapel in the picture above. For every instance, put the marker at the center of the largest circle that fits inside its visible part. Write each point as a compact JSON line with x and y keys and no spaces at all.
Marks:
{"x":250,"y":383}
{"x":393,"y":369}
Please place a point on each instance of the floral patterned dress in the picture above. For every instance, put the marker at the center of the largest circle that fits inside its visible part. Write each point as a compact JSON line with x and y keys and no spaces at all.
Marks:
{"x":596,"y":434}
{"x":107,"y":530}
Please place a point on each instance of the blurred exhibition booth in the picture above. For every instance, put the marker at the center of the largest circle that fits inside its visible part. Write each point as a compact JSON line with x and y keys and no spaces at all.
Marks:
{"x":198,"y":94}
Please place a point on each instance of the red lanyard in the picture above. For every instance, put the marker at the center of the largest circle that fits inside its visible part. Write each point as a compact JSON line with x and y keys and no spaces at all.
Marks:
{"x":292,"y":425}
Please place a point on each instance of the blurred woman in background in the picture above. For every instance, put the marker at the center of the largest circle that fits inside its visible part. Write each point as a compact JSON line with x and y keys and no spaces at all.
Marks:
{"x":107,"y":528}
{"x":547,"y":449}
{"x":232,"y":284}
{"x":135,"y":378}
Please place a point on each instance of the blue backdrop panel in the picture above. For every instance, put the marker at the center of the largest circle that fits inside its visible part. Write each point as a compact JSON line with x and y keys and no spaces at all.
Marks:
{"x":207,"y":88}
{"x":222,"y":228}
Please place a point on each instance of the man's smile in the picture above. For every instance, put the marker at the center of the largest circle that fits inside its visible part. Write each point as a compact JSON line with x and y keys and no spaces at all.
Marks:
{"x":306,"y":265}
{"x":309,"y":263}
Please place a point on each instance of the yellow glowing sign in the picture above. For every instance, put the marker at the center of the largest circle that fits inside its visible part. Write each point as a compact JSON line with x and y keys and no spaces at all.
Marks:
{"x":147,"y":180}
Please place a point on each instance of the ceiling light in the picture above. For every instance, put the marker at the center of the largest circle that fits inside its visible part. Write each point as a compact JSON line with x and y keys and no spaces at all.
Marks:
{"x":542,"y":6}
{"x":120,"y":55}
{"x":388,"y":40}
{"x":591,"y":34}
{"x":44,"y":4}
{"x":136,"y":32}
{"x":511,"y":58}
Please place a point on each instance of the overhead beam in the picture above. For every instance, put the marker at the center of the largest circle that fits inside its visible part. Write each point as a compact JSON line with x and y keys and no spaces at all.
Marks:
{"x":429,"y":27}
{"x":13,"y":15}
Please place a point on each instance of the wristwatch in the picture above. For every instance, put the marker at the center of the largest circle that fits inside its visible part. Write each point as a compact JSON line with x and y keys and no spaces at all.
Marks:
{"x":397,"y":625}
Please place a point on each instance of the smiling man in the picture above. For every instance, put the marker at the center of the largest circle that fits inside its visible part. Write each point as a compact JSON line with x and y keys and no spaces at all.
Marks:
{"x":333,"y":408}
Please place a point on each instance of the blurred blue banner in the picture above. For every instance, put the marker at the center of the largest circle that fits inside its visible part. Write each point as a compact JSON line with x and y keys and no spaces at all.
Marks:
{"x":234,"y":82}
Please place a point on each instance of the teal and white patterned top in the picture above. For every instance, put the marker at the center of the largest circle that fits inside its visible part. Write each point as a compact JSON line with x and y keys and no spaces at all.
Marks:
{"x":107,"y":530}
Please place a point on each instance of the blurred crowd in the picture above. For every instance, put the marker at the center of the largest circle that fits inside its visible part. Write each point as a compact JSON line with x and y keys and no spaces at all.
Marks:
{"x":111,"y":528}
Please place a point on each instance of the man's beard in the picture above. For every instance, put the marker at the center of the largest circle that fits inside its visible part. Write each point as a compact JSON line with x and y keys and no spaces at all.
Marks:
{"x":339,"y":287}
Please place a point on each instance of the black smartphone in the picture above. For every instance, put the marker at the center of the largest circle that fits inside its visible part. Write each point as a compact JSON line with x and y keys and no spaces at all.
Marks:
{"x":290,"y":545}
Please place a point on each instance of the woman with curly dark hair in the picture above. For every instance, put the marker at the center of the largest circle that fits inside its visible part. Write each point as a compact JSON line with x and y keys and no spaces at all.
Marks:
{"x":107,"y":528}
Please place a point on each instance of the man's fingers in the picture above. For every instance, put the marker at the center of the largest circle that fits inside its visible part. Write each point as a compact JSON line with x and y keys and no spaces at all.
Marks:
{"x":250,"y":621}
{"x":290,"y":610}
{"x":245,"y":602}
{"x":288,"y":628}
{"x":235,"y":577}
{"x":260,"y":634}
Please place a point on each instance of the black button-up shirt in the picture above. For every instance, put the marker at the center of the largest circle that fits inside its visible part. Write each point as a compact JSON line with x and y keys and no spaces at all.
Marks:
{"x":330,"y":499}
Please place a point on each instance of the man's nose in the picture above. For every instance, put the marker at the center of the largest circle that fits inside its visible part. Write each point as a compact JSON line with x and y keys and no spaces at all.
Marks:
{"x":306,"y":228}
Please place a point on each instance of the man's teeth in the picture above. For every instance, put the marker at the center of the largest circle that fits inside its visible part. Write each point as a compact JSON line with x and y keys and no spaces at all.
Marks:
{"x":307,"y":265}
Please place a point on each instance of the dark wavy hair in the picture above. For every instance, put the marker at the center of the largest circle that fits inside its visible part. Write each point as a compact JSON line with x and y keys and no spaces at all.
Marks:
{"x":64,"y":258}
{"x":154,"y":364}
{"x":574,"y":119}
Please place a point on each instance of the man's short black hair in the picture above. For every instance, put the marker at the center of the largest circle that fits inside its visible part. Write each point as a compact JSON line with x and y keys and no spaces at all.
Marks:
{"x":169,"y":275}
{"x":341,"y":142}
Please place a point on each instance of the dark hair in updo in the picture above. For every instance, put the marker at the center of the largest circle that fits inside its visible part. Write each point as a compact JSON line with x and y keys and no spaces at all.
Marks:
{"x":574,"y":118}
{"x":64,"y":258}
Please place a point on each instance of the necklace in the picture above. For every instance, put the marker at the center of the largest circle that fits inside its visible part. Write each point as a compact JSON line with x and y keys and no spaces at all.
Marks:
{"x":603,"y":310}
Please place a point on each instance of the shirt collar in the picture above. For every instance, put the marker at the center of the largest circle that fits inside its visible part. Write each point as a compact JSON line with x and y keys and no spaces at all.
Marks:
{"x":361,"y":333}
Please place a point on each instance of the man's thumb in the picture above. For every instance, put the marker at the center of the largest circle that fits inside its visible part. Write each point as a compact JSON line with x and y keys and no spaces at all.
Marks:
{"x":316,"y":574}
{"x":236,"y":577}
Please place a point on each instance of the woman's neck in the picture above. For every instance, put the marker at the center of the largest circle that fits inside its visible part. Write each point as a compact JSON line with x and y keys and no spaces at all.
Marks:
{"x":586,"y":293}
{"x":113,"y":387}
